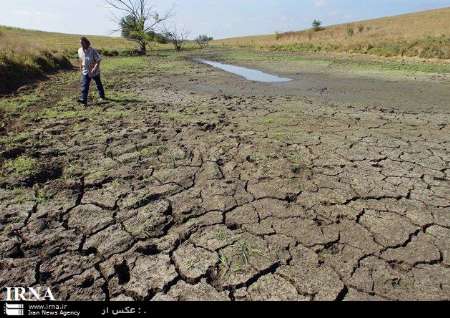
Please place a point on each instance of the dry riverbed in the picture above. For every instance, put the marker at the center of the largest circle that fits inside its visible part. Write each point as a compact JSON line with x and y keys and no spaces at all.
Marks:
{"x":194,"y":184}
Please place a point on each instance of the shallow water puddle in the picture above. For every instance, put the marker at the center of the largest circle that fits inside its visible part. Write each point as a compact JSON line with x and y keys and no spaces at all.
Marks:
{"x":247,"y":73}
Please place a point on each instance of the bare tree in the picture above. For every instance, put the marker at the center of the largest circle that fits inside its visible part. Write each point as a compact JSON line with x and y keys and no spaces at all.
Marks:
{"x":177,"y":37}
{"x":139,"y":21}
{"x":203,"y":40}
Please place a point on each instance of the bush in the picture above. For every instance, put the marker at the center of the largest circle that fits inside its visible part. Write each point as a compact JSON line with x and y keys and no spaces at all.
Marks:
{"x":110,"y":53}
{"x":177,"y":38}
{"x":435,"y":51}
{"x":317,"y":25}
{"x":360,"y":28}
{"x":350,"y":31}
{"x":132,"y":52}
{"x":203,"y":40}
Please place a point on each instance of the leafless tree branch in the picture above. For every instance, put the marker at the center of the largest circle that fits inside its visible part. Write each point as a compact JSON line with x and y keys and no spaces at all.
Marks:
{"x":176,"y":36}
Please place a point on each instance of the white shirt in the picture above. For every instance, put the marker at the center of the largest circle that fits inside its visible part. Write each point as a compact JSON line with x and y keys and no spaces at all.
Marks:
{"x":89,"y":58}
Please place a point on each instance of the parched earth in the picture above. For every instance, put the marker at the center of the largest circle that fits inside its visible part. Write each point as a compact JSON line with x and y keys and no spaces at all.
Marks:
{"x":174,"y":191}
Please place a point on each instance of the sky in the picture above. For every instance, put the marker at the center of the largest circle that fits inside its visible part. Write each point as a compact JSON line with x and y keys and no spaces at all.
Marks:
{"x":217,"y":18}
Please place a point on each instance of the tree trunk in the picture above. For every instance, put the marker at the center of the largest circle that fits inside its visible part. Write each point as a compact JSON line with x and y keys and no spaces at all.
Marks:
{"x":143,"y":47}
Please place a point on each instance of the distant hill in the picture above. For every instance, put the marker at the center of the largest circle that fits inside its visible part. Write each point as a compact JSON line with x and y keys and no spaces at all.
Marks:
{"x":424,"y":34}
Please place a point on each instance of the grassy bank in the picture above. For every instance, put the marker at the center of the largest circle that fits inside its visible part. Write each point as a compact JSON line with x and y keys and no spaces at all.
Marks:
{"x":325,"y":62}
{"x":424,"y":34}
{"x":21,"y":67}
{"x":27,"y":55}
{"x":64,"y":43}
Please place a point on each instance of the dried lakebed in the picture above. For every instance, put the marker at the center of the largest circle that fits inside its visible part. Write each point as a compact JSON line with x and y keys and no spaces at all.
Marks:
{"x":171,"y":191}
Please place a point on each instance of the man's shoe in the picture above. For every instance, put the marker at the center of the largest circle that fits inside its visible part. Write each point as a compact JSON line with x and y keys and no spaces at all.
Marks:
{"x":84,"y":102}
{"x":103,"y":99}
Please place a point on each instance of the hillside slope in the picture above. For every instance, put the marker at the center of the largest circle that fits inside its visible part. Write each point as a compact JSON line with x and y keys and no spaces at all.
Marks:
{"x":424,"y":34}
{"x":26,"y":55}
{"x":21,"y":39}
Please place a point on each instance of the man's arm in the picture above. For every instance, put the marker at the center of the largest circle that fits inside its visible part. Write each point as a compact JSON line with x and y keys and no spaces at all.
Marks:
{"x":98,"y":59}
{"x":96,"y":66}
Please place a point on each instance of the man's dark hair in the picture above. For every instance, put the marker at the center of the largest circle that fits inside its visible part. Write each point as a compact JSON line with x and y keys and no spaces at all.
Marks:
{"x":85,"y":40}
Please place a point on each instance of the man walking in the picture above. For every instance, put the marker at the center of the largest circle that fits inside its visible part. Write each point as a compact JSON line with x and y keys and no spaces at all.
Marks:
{"x":90,"y":70}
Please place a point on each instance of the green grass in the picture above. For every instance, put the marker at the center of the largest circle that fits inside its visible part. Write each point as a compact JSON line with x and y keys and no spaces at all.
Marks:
{"x":238,"y":260}
{"x":76,"y":113}
{"x":59,"y":103}
{"x":21,"y":166}
{"x":27,"y":55}
{"x":428,"y":48}
{"x":394,"y":65}
{"x":41,"y":196}
{"x":20,"y":67}
{"x":337,"y":62}
{"x":128,"y":64}
{"x":18,"y":104}
{"x":16,"y":139}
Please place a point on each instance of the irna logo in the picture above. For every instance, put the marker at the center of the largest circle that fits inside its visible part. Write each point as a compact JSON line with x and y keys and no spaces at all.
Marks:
{"x":28,"y":294}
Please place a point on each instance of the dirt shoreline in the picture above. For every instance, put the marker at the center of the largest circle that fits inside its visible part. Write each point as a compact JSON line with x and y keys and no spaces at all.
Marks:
{"x":399,"y":91}
{"x":193,"y":184}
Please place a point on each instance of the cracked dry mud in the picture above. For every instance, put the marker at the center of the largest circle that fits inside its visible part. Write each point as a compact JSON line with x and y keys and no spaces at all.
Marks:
{"x":182,"y":194}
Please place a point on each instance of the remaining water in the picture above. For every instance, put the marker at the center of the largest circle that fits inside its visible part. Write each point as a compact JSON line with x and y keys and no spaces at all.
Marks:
{"x":247,"y":73}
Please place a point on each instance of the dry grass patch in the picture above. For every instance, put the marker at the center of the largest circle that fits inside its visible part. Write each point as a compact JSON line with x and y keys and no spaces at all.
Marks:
{"x":424,"y":34}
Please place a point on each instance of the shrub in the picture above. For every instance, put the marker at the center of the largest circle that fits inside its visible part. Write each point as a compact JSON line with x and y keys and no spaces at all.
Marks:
{"x":177,"y":38}
{"x":433,"y":51}
{"x":317,"y":25}
{"x":106,"y":52}
{"x":132,"y":52}
{"x":350,"y":31}
{"x":103,"y":52}
{"x":203,"y":40}
{"x":360,"y":28}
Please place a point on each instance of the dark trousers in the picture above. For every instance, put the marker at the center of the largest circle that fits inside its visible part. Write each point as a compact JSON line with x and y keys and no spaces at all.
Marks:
{"x":86,"y":82}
